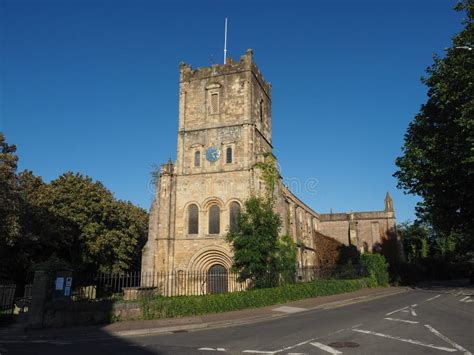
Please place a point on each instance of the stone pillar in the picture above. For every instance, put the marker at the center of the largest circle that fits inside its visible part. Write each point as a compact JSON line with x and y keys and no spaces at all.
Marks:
{"x":353,"y":237}
{"x":38,"y":299}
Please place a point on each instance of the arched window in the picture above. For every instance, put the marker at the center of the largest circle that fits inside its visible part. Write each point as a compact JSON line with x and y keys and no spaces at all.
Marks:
{"x":214,"y":219}
{"x":228,"y":155}
{"x":234,"y":216}
{"x":197,"y":158}
{"x":193,"y":219}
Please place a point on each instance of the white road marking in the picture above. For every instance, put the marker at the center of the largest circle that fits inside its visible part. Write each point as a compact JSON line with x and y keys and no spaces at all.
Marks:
{"x":413,"y":313}
{"x":465,"y":298}
{"x":414,"y":305}
{"x":447,"y":340}
{"x":286,"y":348}
{"x":415,"y":342}
{"x":402,"y":320}
{"x":397,"y":310}
{"x":325,"y":348}
{"x":432,"y":298}
{"x":287,"y":309}
{"x":357,"y":325}
{"x":212,"y":349}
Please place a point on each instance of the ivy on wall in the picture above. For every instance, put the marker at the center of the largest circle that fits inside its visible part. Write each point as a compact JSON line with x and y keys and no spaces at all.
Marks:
{"x":270,"y":173}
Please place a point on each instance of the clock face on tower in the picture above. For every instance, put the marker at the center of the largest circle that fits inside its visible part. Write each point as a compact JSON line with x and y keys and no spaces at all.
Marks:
{"x":213,"y":153}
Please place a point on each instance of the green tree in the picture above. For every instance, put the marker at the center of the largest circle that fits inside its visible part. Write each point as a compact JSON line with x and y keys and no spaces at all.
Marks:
{"x":260,"y":255}
{"x":415,"y":240}
{"x":98,"y":231}
{"x":438,"y":152}
{"x":71,"y":220}
{"x":9,"y":207}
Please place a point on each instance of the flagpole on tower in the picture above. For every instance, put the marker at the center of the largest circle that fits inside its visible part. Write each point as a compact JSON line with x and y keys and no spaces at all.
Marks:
{"x":225,"y":40}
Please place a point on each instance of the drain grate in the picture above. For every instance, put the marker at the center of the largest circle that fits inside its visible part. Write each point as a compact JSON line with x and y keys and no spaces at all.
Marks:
{"x":180,"y":331}
{"x":344,"y":344}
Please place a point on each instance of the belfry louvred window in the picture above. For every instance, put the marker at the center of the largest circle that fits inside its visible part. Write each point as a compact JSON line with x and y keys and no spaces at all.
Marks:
{"x":215,"y":102}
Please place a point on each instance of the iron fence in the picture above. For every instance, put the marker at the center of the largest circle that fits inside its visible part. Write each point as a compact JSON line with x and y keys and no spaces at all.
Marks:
{"x":7,"y":296}
{"x":134,"y":285}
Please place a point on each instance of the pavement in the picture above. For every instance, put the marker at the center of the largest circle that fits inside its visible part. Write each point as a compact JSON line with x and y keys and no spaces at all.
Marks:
{"x":427,"y":320}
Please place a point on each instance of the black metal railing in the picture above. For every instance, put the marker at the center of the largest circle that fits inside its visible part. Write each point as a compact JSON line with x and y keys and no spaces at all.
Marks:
{"x":7,"y":296}
{"x":134,"y":285}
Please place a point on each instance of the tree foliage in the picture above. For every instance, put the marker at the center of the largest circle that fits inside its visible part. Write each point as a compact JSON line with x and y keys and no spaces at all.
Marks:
{"x":414,"y":238}
{"x":71,"y":219}
{"x":260,"y":254}
{"x":438,"y":152}
{"x":9,"y":201}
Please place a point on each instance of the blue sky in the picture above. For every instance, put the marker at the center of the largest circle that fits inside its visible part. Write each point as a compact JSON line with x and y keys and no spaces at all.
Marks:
{"x":91,"y":86}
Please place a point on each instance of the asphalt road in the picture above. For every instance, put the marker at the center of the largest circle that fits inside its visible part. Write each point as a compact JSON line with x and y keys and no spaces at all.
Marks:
{"x":420,"y":321}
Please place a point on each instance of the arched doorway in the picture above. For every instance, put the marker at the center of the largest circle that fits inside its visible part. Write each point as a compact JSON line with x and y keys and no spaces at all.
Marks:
{"x":217,"y":279}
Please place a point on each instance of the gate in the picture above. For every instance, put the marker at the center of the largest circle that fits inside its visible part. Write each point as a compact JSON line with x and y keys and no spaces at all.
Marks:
{"x":217,"y":279}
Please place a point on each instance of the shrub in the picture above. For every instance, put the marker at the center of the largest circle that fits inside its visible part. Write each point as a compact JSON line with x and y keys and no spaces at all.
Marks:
{"x":376,"y":267}
{"x":165,"y":307}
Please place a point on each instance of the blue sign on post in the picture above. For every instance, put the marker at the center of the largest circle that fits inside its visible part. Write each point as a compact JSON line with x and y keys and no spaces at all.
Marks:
{"x":63,"y":285}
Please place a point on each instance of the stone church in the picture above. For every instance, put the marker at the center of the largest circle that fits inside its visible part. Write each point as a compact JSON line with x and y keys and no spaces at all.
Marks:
{"x":224,"y":130}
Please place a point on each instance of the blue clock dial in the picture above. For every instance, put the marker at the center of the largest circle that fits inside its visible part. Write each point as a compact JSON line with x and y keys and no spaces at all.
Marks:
{"x":213,"y":153}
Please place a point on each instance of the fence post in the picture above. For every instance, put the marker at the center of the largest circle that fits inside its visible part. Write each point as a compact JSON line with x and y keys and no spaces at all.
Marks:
{"x":38,"y":299}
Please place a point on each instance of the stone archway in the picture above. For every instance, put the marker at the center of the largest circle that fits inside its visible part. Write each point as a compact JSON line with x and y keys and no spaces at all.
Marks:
{"x":211,"y":278}
{"x":204,"y":258}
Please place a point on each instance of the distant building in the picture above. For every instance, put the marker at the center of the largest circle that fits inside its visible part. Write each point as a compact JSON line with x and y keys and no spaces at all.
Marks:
{"x":225,"y":128}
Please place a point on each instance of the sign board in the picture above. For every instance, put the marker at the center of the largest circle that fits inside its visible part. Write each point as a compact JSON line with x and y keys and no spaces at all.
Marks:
{"x":59,"y":283}
{"x":63,"y":285}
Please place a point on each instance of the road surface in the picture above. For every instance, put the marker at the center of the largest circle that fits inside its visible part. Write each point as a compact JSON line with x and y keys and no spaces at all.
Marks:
{"x":437,"y":320}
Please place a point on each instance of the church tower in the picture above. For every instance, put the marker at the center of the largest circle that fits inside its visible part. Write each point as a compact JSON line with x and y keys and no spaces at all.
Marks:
{"x":224,"y":128}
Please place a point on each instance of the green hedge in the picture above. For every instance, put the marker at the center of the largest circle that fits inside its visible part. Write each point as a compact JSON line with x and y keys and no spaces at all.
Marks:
{"x":166,"y":307}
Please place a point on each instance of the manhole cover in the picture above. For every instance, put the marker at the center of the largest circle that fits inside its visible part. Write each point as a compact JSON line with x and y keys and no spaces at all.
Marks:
{"x":344,"y":344}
